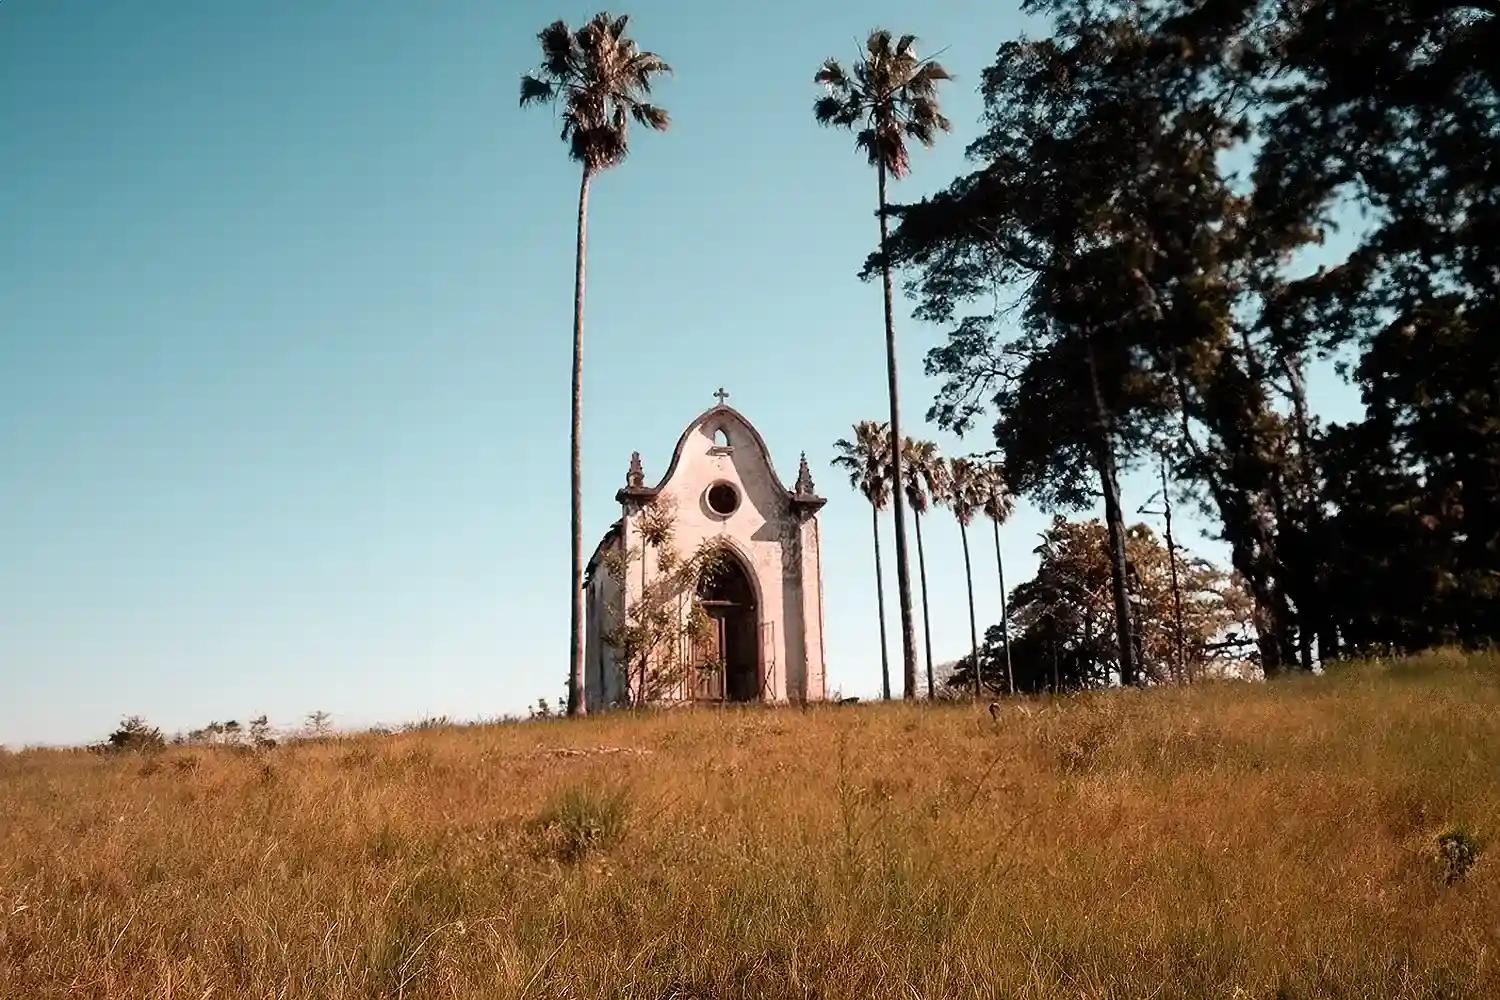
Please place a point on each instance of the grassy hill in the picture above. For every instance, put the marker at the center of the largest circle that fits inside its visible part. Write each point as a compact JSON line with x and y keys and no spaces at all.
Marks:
{"x":1315,"y":837}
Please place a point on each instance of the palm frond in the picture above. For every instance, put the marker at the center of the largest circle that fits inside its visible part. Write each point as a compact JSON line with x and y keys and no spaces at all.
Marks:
{"x":891,"y":93}
{"x":921,"y":466}
{"x":962,"y":496}
{"x":826,"y":110}
{"x":558,"y":50}
{"x":996,"y":499}
{"x":867,"y":460}
{"x":600,"y":76}
{"x":534,"y":90}
{"x":643,"y":66}
{"x":650,"y":116}
{"x":831,"y":75}
{"x":884,"y":145}
{"x":929,"y":73}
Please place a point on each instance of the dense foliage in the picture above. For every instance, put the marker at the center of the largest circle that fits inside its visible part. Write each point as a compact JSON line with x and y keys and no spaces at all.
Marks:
{"x":1127,"y":255}
{"x":1062,"y":619}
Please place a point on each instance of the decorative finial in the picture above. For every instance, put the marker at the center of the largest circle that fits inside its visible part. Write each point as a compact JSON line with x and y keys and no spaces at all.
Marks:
{"x":804,"y":486}
{"x":636,"y":477}
{"x":721,"y":395}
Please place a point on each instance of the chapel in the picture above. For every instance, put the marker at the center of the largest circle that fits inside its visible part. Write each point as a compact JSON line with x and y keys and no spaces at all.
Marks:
{"x":762,"y":640}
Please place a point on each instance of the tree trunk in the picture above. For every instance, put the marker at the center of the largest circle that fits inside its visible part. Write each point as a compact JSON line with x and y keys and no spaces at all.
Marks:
{"x":1280,"y":651}
{"x":963,"y":531}
{"x":1166,"y":497}
{"x":1252,"y":548}
{"x":926,"y":616}
{"x":1328,"y":643}
{"x":1311,"y":602}
{"x":1114,"y":519}
{"x":1117,"y":564}
{"x":576,"y":705}
{"x":885,"y":656}
{"x":1010,"y":678}
{"x":898,"y":505}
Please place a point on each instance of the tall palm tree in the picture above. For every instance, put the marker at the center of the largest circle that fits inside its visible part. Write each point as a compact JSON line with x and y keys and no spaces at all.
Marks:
{"x":890,"y":96}
{"x":867,"y":459}
{"x":924,"y":478}
{"x":998,"y":502}
{"x":963,"y":496}
{"x":600,"y":81}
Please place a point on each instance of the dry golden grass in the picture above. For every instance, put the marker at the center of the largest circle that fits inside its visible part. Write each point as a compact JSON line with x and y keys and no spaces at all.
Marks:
{"x":1229,"y":841}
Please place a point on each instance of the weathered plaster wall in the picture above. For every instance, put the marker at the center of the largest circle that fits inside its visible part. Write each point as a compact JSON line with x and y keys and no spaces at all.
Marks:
{"x":601,"y":676}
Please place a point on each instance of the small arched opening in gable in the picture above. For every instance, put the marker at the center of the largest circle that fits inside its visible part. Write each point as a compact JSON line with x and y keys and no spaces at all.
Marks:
{"x":721,"y":439}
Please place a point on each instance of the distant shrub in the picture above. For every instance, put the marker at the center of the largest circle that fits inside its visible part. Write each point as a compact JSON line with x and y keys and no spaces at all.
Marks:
{"x":231,"y":734}
{"x":135,"y":735}
{"x":543,"y":710}
{"x":319,"y":723}
{"x":1457,"y":851}
{"x":260,"y":732}
{"x":582,"y":819}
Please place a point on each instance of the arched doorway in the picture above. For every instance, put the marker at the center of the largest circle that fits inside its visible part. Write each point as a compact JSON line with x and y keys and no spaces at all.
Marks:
{"x":728,"y":659}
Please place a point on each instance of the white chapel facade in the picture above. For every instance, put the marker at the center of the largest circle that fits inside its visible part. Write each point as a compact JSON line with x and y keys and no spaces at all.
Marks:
{"x":765,"y":601}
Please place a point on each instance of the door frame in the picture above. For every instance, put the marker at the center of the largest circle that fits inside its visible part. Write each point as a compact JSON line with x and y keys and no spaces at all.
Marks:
{"x":752,"y":622}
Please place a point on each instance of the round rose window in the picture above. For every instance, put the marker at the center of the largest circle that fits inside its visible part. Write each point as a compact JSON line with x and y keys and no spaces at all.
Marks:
{"x":723,"y":499}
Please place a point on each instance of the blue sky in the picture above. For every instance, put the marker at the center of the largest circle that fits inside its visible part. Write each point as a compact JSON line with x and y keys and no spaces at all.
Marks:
{"x":285,"y":296}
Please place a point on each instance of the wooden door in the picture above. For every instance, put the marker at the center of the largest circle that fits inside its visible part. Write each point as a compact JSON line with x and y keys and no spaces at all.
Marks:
{"x":707,"y":677}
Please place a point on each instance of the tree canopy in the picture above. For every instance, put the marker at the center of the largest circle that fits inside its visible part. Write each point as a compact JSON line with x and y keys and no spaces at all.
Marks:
{"x":1119,"y":273}
{"x":601,"y":80}
{"x":1062,"y":623}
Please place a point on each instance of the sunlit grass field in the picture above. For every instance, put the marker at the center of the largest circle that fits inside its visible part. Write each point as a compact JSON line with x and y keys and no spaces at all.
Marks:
{"x":1315,"y":837}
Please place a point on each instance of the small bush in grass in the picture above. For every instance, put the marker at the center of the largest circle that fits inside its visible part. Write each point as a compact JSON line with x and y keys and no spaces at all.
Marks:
{"x":429,"y":723}
{"x":581,"y":819}
{"x":135,"y":735}
{"x":1457,"y":851}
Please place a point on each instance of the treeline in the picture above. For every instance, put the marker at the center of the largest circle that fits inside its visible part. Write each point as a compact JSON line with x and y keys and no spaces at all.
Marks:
{"x":1119,"y":277}
{"x":135,"y":734}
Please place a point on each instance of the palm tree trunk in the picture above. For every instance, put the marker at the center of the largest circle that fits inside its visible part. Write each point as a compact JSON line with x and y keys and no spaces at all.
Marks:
{"x":1010,"y":678}
{"x":1114,"y":520}
{"x":576,"y":704}
{"x":898,"y":506}
{"x":926,"y":617}
{"x":885,"y":656}
{"x":963,"y":532}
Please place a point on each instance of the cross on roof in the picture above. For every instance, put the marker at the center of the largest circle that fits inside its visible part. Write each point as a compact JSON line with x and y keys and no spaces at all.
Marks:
{"x":721,"y":395}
